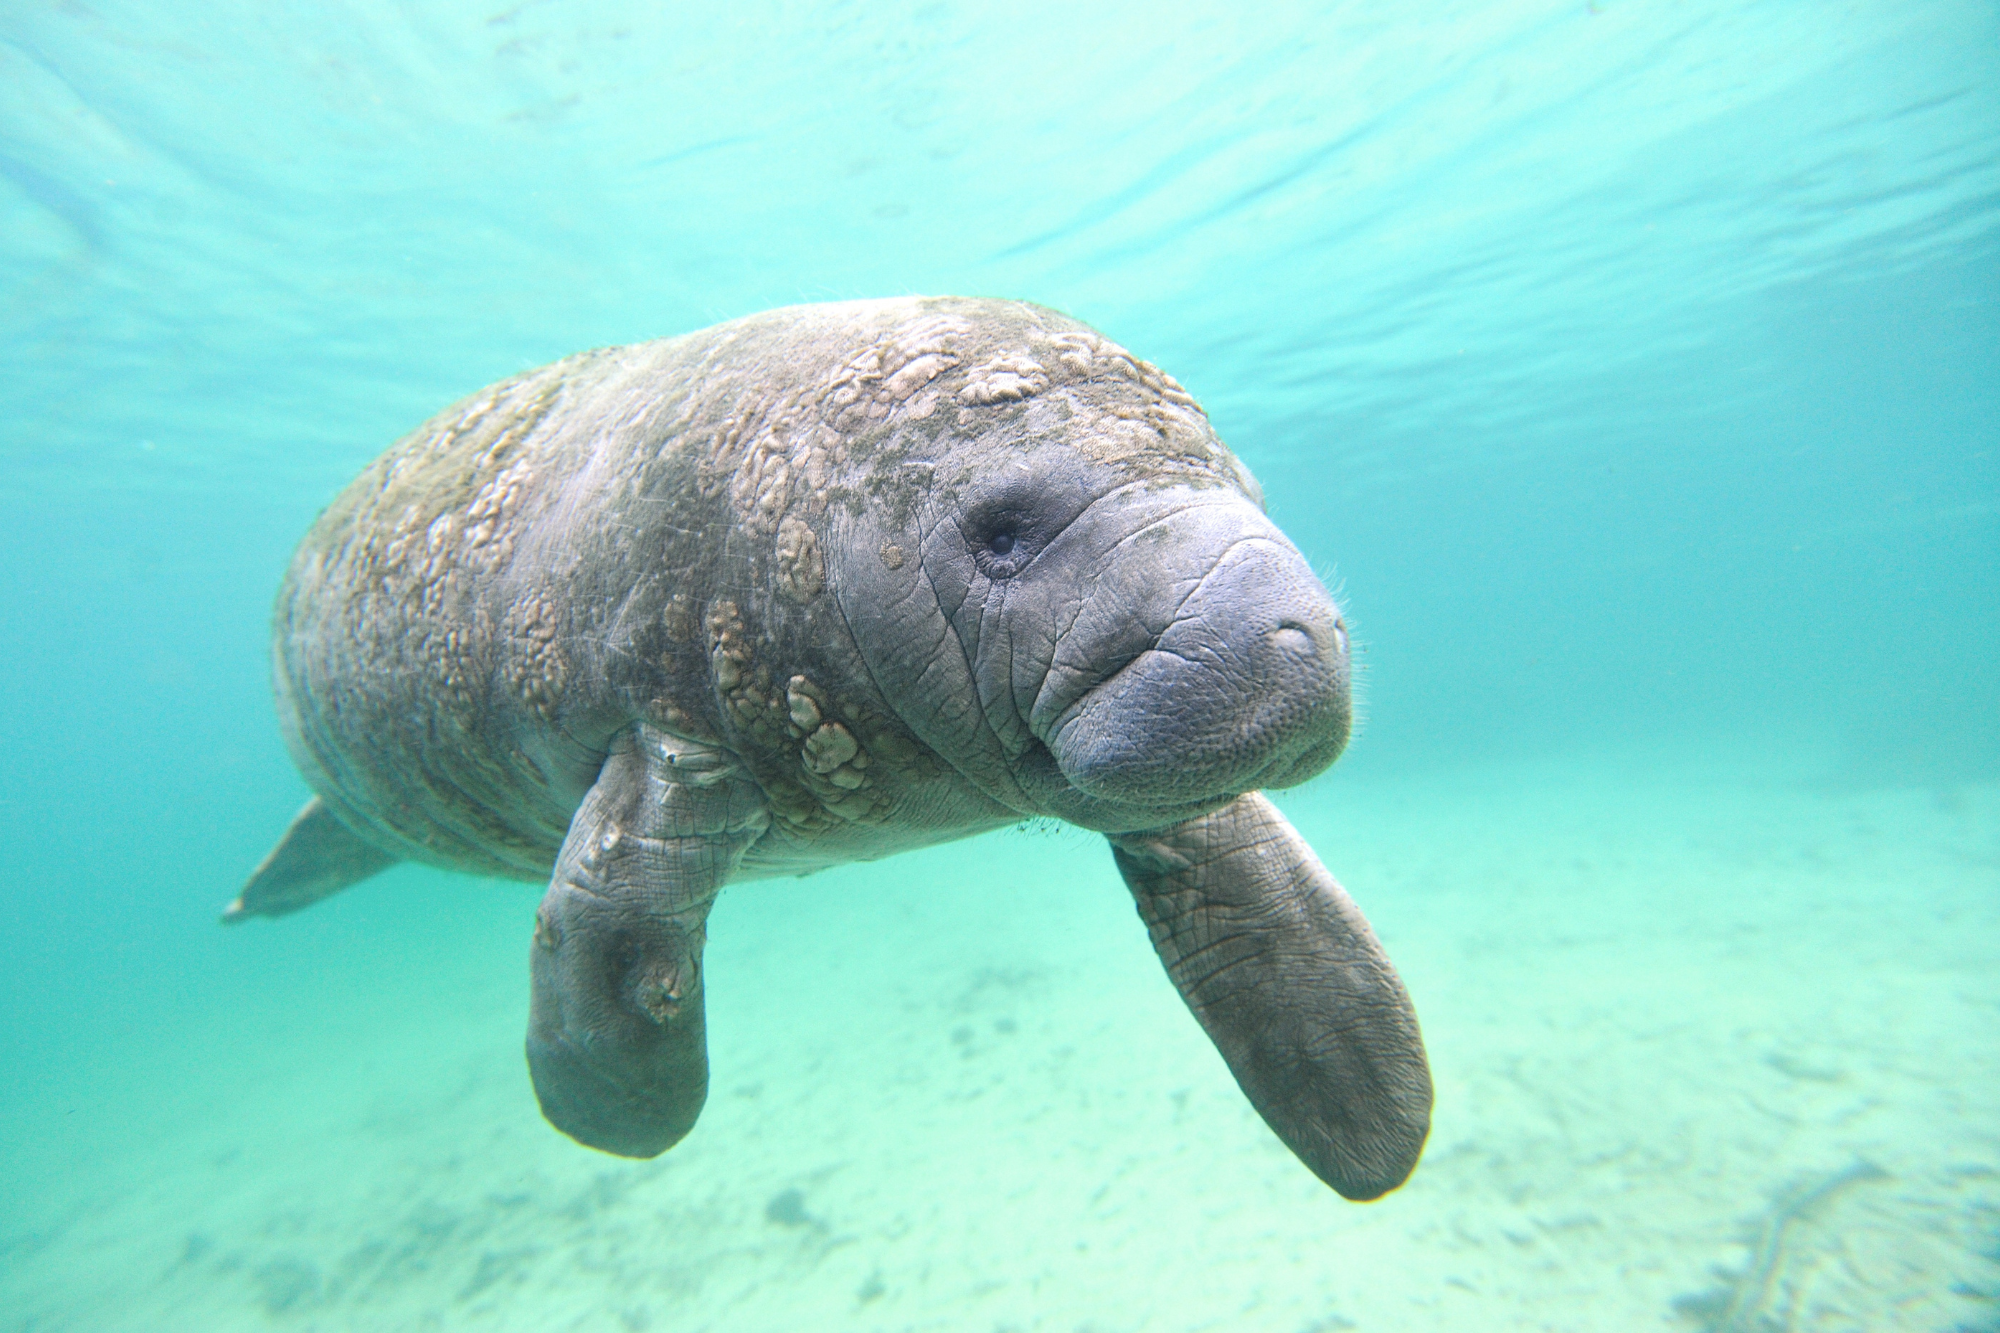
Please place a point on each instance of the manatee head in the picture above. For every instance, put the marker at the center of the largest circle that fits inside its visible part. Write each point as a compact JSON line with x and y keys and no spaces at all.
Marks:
{"x":1067,"y":585}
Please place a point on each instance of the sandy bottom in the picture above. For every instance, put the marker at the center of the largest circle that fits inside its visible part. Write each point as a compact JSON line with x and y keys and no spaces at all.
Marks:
{"x":1713,"y":1052}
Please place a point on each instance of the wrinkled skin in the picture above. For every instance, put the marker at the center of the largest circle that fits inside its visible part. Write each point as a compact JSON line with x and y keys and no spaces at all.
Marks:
{"x":819,"y":586}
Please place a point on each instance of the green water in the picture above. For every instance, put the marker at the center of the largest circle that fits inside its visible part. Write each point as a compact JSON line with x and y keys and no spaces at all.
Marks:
{"x":1632,"y":368}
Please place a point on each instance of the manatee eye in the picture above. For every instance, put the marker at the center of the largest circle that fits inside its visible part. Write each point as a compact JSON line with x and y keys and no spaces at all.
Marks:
{"x":1004,"y":555}
{"x":1004,"y":532}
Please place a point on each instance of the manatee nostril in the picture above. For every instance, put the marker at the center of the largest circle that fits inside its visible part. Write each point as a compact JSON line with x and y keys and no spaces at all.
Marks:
{"x":1340,"y":636}
{"x":1293,"y":638}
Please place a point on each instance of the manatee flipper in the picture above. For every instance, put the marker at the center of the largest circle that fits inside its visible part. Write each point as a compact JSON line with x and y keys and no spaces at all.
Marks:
{"x":1282,"y":970}
{"x":317,"y":858}
{"x":617,"y":1041}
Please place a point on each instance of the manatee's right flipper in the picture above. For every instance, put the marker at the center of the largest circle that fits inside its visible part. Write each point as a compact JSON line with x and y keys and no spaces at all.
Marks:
{"x":317,"y":858}
{"x":1282,"y":970}
{"x":617,"y":1041}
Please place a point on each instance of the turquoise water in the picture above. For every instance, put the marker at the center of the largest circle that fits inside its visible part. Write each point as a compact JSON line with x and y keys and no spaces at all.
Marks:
{"x":1634,"y":368}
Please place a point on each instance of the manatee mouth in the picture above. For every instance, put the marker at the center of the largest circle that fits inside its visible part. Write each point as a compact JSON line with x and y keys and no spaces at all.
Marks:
{"x":1137,"y":741}
{"x":1247,"y":688}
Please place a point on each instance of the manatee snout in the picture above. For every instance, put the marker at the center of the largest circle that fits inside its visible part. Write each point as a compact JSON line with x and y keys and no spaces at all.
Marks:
{"x":1246,"y":686}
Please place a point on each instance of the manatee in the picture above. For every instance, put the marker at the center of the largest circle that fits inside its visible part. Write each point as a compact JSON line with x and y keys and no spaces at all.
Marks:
{"x":817,"y":586}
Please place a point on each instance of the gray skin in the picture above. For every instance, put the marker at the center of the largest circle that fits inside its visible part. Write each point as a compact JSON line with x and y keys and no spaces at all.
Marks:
{"x":819,"y":586}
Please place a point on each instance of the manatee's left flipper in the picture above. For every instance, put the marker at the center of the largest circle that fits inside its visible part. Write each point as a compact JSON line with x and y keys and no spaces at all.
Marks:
{"x":617,"y":1043}
{"x":1282,"y":970}
{"x":317,"y":858}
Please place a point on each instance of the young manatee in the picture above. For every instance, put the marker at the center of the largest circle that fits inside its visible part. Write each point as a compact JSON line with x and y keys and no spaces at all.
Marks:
{"x":818,"y":586}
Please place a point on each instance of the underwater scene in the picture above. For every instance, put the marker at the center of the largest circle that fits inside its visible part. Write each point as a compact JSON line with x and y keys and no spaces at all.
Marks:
{"x":1629,"y":370}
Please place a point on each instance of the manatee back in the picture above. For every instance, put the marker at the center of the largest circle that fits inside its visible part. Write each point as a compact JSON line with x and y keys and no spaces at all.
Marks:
{"x":419,"y":654}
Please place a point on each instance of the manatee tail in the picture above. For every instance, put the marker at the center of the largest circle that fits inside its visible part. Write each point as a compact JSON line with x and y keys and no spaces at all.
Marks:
{"x":317,"y":858}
